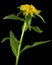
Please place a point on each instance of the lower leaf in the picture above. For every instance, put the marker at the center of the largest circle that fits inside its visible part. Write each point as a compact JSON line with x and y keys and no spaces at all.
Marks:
{"x":40,"y":42}
{"x":14,"y":43}
{"x":4,"y":39}
{"x":25,"y":48}
{"x":35,"y":44}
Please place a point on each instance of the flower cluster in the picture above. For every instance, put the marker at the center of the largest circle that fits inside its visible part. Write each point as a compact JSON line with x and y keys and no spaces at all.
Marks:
{"x":29,"y":9}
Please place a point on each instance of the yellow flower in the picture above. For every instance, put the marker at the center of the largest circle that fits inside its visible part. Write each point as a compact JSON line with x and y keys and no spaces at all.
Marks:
{"x":29,"y":9}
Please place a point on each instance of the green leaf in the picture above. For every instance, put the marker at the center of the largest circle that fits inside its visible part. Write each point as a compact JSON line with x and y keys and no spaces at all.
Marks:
{"x":41,"y":18}
{"x":28,"y":21}
{"x":4,"y":39}
{"x":19,"y":13}
{"x":13,"y":17}
{"x":35,"y":44}
{"x":25,"y":48}
{"x":40,"y":42}
{"x":37,"y":29}
{"x":14,"y":43}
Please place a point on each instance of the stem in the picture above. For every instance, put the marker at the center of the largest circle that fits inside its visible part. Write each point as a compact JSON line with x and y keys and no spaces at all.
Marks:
{"x":17,"y":58}
{"x":23,"y":30}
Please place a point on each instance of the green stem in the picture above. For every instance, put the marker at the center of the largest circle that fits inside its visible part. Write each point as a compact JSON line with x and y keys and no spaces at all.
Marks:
{"x":23,"y":30}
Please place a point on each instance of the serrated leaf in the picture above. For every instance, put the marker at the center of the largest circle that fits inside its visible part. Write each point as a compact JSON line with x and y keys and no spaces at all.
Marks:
{"x":4,"y":39}
{"x":40,"y":42}
{"x":13,"y":17}
{"x":14,"y":43}
{"x":37,"y":29}
{"x":35,"y":44}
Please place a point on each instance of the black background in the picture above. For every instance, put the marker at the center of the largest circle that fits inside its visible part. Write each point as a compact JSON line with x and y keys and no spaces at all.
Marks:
{"x":41,"y":54}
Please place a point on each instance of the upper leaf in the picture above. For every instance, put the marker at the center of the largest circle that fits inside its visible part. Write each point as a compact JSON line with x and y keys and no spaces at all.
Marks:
{"x":28,"y":21}
{"x":13,"y":17}
{"x":37,"y":29}
{"x":41,"y":18}
{"x":14,"y":43}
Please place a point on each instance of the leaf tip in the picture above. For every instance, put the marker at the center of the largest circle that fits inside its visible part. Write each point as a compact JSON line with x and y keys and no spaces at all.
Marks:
{"x":10,"y":31}
{"x":5,"y":18}
{"x":41,"y":31}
